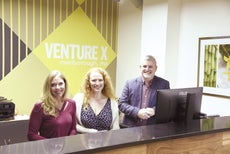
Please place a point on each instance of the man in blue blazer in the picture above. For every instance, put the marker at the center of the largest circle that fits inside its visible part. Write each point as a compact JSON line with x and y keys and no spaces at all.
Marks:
{"x":138,"y":98}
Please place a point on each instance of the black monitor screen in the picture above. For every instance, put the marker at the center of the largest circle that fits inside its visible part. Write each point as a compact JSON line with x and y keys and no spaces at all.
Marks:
{"x":178,"y":104}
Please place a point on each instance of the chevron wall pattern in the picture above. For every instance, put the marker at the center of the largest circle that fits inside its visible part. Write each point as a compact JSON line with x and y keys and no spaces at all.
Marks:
{"x":36,"y":36}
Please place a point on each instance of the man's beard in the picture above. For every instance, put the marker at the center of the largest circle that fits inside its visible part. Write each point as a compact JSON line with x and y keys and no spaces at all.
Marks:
{"x":147,"y":76}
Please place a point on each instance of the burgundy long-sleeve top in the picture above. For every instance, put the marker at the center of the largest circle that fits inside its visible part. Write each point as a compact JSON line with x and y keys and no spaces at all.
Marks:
{"x":43,"y":126}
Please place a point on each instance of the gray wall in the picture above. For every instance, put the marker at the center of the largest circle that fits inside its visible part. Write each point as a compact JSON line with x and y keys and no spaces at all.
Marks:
{"x":170,"y":31}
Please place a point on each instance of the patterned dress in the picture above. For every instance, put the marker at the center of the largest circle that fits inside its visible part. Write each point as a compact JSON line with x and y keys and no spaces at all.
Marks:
{"x":102,"y":121}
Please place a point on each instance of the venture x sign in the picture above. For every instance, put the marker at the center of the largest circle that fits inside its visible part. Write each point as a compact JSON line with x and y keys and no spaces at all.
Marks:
{"x":75,"y":54}
{"x":74,"y":47}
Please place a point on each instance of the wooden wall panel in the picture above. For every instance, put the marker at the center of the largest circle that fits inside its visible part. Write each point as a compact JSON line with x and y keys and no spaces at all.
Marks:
{"x":140,"y":149}
{"x":215,"y":143}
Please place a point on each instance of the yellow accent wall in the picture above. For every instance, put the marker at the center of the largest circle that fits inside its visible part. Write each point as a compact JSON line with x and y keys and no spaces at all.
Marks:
{"x":39,"y":36}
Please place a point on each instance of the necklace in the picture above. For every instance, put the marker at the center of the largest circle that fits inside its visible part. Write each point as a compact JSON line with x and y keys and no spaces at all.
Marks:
{"x":97,"y":105}
{"x":59,"y":105}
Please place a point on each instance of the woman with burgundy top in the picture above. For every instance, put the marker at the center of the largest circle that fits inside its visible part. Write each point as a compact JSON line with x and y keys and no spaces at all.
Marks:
{"x":55,"y":114}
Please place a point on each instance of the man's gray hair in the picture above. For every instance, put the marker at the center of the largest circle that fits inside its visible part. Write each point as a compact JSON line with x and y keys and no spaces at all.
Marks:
{"x":149,"y":58}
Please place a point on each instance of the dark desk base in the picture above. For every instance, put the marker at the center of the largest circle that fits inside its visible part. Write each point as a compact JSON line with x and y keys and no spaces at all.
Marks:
{"x":13,"y":131}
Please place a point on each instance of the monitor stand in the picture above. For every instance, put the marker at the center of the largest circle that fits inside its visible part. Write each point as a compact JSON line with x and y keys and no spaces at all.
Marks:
{"x":190,"y":104}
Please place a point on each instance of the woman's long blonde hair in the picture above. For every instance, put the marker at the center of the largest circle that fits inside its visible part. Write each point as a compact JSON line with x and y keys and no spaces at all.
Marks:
{"x":107,"y":91}
{"x":48,"y":101}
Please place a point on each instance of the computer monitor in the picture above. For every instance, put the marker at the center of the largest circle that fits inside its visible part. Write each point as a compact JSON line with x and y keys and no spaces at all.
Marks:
{"x":180,"y":104}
